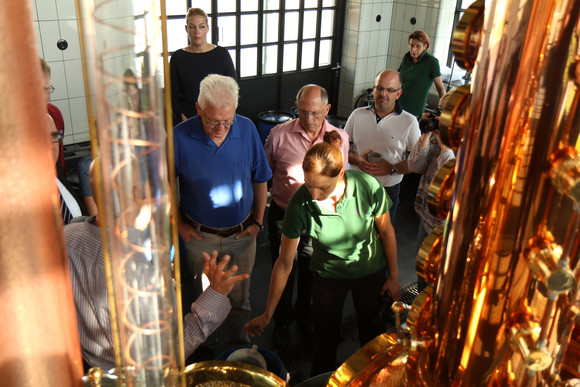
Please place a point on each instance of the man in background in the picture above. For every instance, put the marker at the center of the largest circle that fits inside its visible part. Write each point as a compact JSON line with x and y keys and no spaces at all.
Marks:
{"x":54,"y":112}
{"x":387,"y":129}
{"x":285,"y":148}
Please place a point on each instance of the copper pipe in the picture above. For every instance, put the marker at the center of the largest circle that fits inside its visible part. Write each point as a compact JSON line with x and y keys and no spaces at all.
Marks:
{"x":172,"y":185}
{"x":38,"y":330}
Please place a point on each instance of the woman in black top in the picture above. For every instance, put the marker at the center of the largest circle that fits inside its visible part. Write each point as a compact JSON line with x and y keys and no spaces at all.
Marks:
{"x":193,"y":63}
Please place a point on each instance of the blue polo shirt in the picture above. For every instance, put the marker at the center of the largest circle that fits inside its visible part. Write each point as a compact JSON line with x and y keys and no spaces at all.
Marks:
{"x":216,"y":182}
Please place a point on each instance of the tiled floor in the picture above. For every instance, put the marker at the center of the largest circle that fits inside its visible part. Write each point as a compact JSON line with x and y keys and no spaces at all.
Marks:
{"x":297,"y":356}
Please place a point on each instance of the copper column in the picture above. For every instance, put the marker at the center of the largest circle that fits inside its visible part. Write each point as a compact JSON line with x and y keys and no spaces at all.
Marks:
{"x":38,"y":332}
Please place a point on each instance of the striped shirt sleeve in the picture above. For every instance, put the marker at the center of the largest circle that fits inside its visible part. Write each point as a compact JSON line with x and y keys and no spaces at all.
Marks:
{"x":207,"y":313}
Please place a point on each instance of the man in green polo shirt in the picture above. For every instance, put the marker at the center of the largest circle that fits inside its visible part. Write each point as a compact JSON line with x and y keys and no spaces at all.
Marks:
{"x":419,"y":70}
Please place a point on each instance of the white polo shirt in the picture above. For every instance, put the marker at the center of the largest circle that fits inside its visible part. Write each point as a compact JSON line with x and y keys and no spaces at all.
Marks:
{"x":393,"y":136}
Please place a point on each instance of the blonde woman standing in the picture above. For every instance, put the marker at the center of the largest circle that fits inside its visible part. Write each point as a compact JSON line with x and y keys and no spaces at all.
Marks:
{"x":193,"y":63}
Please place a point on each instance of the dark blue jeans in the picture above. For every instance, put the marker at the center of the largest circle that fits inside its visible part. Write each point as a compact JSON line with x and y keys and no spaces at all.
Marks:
{"x":285,"y":312}
{"x":393,"y":193}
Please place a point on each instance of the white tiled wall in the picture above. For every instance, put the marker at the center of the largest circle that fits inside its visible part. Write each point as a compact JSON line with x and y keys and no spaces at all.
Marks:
{"x":364,"y":47}
{"x":370,"y":46}
{"x":54,"y":20}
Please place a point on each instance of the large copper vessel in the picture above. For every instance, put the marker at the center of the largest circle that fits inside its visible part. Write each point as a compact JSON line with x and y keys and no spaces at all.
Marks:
{"x":506,"y":296}
{"x":39,"y":343}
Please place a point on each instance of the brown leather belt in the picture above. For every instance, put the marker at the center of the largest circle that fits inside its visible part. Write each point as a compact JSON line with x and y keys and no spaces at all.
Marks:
{"x":222,"y":232}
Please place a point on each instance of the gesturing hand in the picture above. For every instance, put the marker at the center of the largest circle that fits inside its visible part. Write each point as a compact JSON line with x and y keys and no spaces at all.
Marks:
{"x":257,"y":325}
{"x":220,"y":280}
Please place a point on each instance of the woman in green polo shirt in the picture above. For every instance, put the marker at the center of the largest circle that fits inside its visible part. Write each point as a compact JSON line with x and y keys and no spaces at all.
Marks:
{"x":346,"y":213}
{"x":419,"y":70}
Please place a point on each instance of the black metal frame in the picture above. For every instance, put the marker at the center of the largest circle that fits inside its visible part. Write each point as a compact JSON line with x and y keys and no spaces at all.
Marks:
{"x":336,"y":38}
{"x":456,"y":16}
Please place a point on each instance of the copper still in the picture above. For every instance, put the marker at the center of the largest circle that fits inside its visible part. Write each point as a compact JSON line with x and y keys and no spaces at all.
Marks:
{"x":39,"y":343}
{"x":505,"y":271}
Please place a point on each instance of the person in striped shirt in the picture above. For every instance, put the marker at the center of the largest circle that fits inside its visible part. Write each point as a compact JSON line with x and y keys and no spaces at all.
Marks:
{"x":84,"y":248}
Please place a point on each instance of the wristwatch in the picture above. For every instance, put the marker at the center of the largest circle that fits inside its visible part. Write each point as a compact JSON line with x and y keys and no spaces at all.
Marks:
{"x":394,"y":170}
{"x":258,"y":224}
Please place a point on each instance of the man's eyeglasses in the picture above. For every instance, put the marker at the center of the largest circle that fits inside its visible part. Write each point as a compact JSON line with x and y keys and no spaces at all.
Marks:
{"x":56,"y":137}
{"x":49,"y":89}
{"x":389,"y":90}
{"x":312,"y":114}
{"x":213,"y":124}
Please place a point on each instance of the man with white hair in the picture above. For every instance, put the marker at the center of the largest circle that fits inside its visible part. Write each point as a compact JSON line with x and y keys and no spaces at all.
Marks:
{"x":222,"y":171}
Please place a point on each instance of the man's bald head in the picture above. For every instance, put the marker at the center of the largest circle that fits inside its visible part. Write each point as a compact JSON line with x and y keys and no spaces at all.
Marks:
{"x":389,"y":74}
{"x":312,"y":104}
{"x":386,"y":91}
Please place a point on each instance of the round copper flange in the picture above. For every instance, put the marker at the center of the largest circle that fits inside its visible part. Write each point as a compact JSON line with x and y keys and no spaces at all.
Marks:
{"x":454,"y":116}
{"x":441,"y":190}
{"x":418,"y":315}
{"x":429,"y":256}
{"x":468,"y":35}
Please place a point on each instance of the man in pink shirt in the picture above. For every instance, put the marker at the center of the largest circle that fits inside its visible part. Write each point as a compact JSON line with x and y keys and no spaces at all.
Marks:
{"x":285,"y":149}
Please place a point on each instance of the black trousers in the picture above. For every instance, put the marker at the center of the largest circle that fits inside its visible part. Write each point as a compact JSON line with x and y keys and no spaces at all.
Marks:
{"x":285,"y":313}
{"x":328,"y":301}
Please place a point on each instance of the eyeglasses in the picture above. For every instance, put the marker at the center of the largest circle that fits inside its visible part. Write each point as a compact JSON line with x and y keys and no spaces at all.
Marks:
{"x":389,"y":90}
{"x":311,"y":114}
{"x":56,"y":137}
{"x":49,"y":89}
{"x":418,"y":46}
{"x":213,"y":124}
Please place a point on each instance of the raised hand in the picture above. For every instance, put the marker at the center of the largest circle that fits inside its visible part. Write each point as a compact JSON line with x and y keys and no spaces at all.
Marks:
{"x":220,"y":280}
